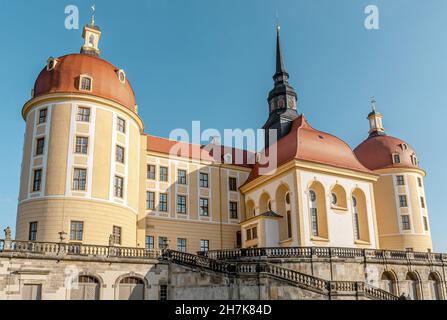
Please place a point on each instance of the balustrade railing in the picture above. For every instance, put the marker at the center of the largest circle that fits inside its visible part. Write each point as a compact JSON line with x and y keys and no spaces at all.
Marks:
{"x":71,"y":249}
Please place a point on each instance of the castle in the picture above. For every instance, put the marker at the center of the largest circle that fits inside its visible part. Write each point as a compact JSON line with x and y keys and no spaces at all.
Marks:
{"x":92,"y":178}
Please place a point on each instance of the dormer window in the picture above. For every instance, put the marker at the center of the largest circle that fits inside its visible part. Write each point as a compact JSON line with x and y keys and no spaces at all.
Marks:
{"x":51,"y":64}
{"x":85,"y":83}
{"x":396,"y":158}
{"x":404,"y":146}
{"x":121,"y":75}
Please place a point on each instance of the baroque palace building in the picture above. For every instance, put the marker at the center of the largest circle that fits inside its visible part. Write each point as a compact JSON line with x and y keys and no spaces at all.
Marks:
{"x":93,"y":184}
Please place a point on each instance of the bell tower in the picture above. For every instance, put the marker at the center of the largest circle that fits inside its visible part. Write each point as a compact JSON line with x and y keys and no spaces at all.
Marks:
{"x":91,"y":35}
{"x":282,"y":99}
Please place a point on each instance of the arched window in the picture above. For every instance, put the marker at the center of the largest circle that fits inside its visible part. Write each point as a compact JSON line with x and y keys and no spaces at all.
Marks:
{"x":434,"y":282}
{"x":284,"y":209}
{"x":414,"y":287}
{"x":389,"y":282}
{"x":131,"y":288}
{"x":338,"y":197}
{"x":265,"y":204}
{"x":87,"y":288}
{"x":355,"y":216}
{"x":313,"y":212}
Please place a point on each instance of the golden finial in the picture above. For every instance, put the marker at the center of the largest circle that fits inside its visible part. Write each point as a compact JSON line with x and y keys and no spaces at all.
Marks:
{"x":93,"y":15}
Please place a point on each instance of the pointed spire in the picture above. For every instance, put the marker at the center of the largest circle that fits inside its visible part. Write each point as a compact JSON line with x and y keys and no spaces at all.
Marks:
{"x":281,"y":74}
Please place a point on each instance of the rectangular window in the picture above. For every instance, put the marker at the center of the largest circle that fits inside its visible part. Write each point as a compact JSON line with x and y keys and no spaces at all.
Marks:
{"x":163,"y":174}
{"x":83,"y":114}
{"x":400,"y":180}
{"x":150,"y":200}
{"x":32,"y":292}
{"x":181,"y":176}
{"x":232,"y":184}
{"x":81,"y":145}
{"x":86,"y":84}
{"x":162,"y":243}
{"x":37,"y":181}
{"x":419,"y":182}
{"x":396,"y":158}
{"x":117,"y":235}
{"x":163,"y":205}
{"x":289,"y":224}
{"x":163,"y":292}
{"x":121,"y":125}
{"x":43,"y":115}
{"x":40,"y":145}
{"x":181,"y":245}
{"x":425,"y":223}
{"x":151,"y":172}
{"x":248,"y":234}
{"x":406,"y":222}
{"x":204,"y":211}
{"x":254,"y":233}
{"x":32,"y":233}
{"x":422,"y":203}
{"x":76,"y":230}
{"x":204,"y":180}
{"x":181,"y":204}
{"x":233,"y":210}
{"x":204,"y":245}
{"x":150,"y":242}
{"x":314,"y":221}
{"x":119,"y":184}
{"x":79,"y":179}
{"x":119,"y":154}
{"x":403,"y":201}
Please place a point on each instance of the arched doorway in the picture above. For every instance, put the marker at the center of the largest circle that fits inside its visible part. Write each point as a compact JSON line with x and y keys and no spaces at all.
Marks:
{"x":131,"y":288}
{"x":87,"y":289}
{"x":389,"y":282}
{"x":414,"y":286}
{"x":434,"y":283}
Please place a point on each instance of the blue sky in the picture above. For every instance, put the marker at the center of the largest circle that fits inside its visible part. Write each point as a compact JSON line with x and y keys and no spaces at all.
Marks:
{"x":212,"y":60}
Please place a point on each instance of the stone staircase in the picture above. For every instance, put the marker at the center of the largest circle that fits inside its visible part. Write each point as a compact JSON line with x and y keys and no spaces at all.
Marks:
{"x":331,"y":289}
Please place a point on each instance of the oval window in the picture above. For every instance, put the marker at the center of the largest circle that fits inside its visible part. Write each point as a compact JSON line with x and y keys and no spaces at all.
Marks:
{"x":334,"y":198}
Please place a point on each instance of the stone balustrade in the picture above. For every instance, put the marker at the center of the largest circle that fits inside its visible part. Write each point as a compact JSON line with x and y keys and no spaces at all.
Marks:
{"x":70,"y":249}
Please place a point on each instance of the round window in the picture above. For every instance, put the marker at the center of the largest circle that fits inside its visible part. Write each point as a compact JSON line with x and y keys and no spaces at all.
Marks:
{"x":334,"y":198}
{"x":288,"y":198}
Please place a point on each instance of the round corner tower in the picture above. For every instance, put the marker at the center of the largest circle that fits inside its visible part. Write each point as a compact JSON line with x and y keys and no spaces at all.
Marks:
{"x":400,"y":203}
{"x":81,"y":157}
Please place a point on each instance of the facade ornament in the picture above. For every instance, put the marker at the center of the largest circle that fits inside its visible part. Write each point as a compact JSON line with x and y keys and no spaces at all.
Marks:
{"x":111,"y":240}
{"x":7,"y":234}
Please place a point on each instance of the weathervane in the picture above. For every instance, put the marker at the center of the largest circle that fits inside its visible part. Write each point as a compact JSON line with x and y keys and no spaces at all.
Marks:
{"x":93,"y":15}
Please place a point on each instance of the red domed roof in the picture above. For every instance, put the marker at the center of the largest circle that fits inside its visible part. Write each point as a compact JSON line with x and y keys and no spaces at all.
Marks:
{"x":377,"y":153}
{"x":64,"y":78}
{"x":306,"y":143}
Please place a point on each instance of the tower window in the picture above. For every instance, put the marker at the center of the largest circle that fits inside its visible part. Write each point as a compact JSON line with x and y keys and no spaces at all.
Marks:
{"x":164,"y":174}
{"x":119,"y":154}
{"x":163,"y":204}
{"x":40,"y":146}
{"x":43,"y":116}
{"x":406,"y":222}
{"x":86,"y":83}
{"x":422,"y":202}
{"x":419,"y":182}
{"x":400,"y":180}
{"x":403,"y":201}
{"x":181,"y":176}
{"x":233,"y":210}
{"x":151,"y":172}
{"x":79,"y":179}
{"x":150,"y":200}
{"x":232,"y":184}
{"x":425,"y":223}
{"x":121,"y":125}
{"x":117,"y":234}
{"x":181,"y":204}
{"x":76,"y":230}
{"x":81,"y":145}
{"x":37,"y":181}
{"x":83,"y":114}
{"x":204,"y":207}
{"x":396,"y":158}
{"x":119,"y":185}
{"x":204,"y":180}
{"x":32,"y":233}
